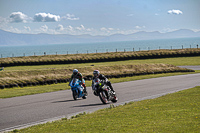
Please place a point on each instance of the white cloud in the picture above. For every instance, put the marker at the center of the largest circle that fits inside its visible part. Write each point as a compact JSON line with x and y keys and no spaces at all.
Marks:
{"x":17,"y":17}
{"x":70,"y":17}
{"x":3,"y":22}
{"x":59,"y":28}
{"x":44,"y":28}
{"x":139,"y":27}
{"x":196,"y":30}
{"x":177,"y":12}
{"x":110,"y":28}
{"x":164,"y":30}
{"x":103,"y":29}
{"x":107,"y":29}
{"x":81,"y":28}
{"x":27,"y":28}
{"x":46,"y":17}
{"x":70,"y":28}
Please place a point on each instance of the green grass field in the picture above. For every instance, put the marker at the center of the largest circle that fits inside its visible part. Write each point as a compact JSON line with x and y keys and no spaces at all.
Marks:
{"x":177,"y":112}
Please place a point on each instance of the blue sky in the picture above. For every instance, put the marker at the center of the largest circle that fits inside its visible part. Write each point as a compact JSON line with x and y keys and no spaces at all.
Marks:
{"x":98,"y":17}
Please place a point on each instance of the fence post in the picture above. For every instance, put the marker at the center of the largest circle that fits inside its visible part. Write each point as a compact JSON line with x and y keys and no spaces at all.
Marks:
{"x":197,"y":46}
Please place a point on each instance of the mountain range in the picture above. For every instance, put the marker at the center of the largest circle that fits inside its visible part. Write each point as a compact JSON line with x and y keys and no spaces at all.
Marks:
{"x":8,"y":38}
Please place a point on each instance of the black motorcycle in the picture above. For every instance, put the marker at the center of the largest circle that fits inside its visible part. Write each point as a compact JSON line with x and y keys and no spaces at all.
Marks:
{"x":104,"y":92}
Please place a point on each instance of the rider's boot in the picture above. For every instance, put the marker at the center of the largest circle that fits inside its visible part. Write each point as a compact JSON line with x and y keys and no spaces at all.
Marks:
{"x":84,"y":90}
{"x":112,"y":90}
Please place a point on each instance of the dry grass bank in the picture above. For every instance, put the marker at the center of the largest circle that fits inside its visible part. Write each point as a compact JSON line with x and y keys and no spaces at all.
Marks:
{"x":96,"y":57}
{"x":9,"y":79}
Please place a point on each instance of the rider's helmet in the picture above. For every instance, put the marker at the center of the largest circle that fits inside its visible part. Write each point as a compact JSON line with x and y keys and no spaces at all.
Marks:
{"x":96,"y":73}
{"x":75,"y":71}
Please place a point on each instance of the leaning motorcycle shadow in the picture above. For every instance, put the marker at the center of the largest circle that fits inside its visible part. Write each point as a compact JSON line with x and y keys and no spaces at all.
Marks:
{"x":86,"y":105}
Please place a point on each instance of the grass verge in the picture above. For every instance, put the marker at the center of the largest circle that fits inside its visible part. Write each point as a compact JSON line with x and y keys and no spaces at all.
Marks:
{"x":177,"y":112}
{"x":14,"y":92}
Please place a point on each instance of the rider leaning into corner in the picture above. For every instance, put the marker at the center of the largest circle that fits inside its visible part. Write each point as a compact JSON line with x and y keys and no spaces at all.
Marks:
{"x":78,"y":75}
{"x":97,"y":74}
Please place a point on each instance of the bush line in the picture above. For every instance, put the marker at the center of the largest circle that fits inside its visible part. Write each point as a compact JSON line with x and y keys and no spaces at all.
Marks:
{"x":88,"y":77}
{"x":99,"y":57}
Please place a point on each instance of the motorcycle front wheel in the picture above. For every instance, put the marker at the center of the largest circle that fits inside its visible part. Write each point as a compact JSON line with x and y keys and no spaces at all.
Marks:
{"x":75,"y":95}
{"x":115,"y":99}
{"x":103,"y":97}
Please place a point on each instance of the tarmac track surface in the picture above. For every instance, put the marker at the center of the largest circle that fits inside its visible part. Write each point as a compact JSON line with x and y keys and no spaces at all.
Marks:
{"x":24,"y":111}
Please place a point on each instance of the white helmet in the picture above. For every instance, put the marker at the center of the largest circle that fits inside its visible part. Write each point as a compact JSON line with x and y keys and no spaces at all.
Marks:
{"x":96,"y":73}
{"x":75,"y":71}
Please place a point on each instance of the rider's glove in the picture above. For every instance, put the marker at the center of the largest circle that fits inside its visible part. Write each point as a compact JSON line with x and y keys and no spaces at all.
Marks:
{"x":106,"y":80}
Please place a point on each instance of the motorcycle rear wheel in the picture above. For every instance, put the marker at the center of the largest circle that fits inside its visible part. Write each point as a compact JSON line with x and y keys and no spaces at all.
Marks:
{"x":103,"y":97}
{"x":84,"y":97}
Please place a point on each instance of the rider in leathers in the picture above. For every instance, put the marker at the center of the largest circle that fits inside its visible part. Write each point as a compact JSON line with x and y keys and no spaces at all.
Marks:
{"x":78,"y":75}
{"x":97,"y":74}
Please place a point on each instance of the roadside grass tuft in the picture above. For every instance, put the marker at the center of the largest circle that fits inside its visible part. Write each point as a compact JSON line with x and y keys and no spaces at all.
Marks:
{"x":176,"y":112}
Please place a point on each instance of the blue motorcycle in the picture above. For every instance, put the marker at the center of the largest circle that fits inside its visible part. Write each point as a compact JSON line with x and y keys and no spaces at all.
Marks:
{"x":77,"y":89}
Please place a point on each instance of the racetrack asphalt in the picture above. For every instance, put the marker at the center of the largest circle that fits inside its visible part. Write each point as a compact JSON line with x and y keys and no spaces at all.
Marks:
{"x":191,"y":67}
{"x":24,"y":111}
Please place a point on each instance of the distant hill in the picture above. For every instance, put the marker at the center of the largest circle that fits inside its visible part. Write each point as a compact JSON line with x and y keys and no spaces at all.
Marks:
{"x":8,"y":38}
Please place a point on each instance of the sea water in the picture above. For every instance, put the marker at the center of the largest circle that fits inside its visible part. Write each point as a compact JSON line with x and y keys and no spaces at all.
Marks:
{"x":97,"y":47}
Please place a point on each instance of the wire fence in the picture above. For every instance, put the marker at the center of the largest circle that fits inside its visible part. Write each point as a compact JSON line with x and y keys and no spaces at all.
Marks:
{"x":126,"y":49}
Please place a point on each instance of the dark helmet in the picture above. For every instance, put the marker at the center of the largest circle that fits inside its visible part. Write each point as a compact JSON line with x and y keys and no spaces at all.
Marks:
{"x":75,"y":71}
{"x":96,"y":73}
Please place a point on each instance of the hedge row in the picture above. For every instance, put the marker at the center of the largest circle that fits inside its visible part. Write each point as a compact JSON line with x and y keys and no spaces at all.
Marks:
{"x":103,"y":57}
{"x":88,"y":77}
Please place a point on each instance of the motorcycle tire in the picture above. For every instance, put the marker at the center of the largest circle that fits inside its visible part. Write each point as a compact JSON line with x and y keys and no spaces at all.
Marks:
{"x":75,"y":95}
{"x":103,"y":97}
{"x":84,"y":97}
{"x":115,"y":99}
